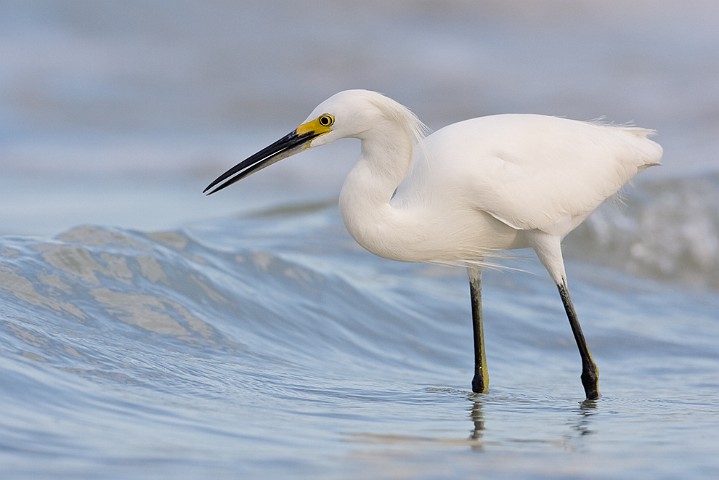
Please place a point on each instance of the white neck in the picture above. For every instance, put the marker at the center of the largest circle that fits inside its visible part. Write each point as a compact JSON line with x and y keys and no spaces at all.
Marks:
{"x":385,"y":161}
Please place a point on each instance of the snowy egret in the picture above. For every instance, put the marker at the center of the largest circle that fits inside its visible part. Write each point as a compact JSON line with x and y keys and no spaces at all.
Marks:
{"x":468,"y":191}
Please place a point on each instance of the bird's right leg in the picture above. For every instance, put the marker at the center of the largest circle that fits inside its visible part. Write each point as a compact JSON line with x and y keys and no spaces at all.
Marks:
{"x":480,"y":382}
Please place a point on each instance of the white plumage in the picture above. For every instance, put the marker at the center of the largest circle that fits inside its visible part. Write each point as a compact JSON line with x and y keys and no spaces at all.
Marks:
{"x":469,"y":190}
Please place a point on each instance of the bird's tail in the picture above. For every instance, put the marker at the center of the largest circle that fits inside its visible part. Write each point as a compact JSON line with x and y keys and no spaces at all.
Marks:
{"x":648,"y":152}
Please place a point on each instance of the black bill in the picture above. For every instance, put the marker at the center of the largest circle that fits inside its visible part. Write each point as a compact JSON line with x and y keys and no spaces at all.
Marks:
{"x":286,"y":146}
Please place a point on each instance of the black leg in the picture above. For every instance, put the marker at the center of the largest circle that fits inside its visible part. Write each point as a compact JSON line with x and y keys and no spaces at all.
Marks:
{"x":480,"y":382}
{"x":590,"y":373}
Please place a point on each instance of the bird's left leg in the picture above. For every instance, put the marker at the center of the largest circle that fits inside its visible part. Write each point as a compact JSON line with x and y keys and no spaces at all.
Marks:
{"x":549,"y":251}
{"x":480,"y":382}
{"x":590,"y":372}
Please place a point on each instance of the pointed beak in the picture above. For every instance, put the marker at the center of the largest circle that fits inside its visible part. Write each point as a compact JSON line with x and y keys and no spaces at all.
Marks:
{"x":294,"y":142}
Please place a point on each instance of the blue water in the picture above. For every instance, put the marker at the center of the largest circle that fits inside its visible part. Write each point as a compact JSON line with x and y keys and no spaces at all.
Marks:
{"x":271,"y":344}
{"x":148,"y":331}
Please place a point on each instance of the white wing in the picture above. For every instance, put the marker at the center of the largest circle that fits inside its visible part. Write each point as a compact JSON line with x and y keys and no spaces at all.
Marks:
{"x":533,"y":171}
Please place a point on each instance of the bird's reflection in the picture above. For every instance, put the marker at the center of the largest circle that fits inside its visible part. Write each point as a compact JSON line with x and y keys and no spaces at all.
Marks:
{"x":478,"y":420}
{"x":477,"y":417}
{"x":583,"y":423}
{"x":580,"y":423}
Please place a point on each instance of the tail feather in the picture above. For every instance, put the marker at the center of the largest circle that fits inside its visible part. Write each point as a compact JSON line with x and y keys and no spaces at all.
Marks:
{"x":648,"y":151}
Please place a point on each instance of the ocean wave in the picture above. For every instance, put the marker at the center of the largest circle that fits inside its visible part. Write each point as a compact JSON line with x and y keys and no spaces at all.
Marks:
{"x":279,"y":274}
{"x":77,"y":300}
{"x":277,"y":288}
{"x":667,"y":229}
{"x":124,"y":349}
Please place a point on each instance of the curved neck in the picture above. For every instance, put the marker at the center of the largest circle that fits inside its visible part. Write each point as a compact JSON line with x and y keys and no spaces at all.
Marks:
{"x":385,"y":161}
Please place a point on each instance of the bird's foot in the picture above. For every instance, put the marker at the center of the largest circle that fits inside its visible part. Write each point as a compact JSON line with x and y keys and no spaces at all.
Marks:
{"x":590,"y":381}
{"x":480,"y":384}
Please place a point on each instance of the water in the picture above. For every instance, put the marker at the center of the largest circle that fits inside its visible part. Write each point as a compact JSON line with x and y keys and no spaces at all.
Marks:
{"x":150,"y":332}
{"x":271,"y":344}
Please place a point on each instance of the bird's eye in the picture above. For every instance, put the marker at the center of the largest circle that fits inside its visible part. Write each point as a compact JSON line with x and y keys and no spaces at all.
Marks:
{"x":326,"y":120}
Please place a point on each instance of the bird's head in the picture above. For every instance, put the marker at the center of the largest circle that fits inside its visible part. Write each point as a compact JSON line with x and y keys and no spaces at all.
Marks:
{"x":347,"y":114}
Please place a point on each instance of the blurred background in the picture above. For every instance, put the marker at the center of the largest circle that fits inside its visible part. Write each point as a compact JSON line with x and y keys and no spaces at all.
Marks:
{"x":147,"y":328}
{"x":121,"y":112}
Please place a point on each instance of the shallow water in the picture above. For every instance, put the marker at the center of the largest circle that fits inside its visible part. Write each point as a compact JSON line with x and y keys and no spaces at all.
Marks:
{"x":271,"y":344}
{"x":149,"y":331}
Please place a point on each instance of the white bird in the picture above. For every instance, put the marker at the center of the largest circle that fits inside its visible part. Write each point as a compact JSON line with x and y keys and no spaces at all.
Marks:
{"x":470,"y":190}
